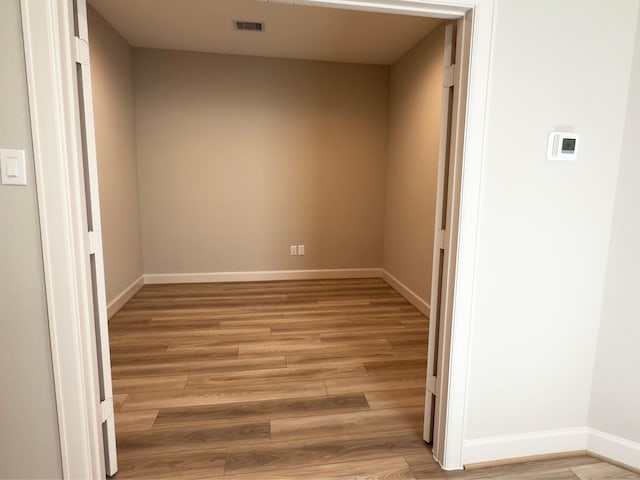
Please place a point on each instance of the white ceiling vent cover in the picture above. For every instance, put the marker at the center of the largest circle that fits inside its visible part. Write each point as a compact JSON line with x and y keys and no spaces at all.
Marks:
{"x":249,"y":26}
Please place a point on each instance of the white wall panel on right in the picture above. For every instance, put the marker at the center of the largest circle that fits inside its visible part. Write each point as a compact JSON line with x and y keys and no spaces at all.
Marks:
{"x":615,"y":398}
{"x":544,"y":226}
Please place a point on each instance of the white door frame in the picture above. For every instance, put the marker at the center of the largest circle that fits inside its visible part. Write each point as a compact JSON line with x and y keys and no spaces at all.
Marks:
{"x":50,"y":64}
{"x":50,"y":59}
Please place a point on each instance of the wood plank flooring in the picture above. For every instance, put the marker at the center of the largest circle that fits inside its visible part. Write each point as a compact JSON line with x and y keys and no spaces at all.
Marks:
{"x":316,"y":379}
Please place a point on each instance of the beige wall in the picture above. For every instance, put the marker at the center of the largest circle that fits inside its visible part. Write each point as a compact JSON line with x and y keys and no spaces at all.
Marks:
{"x":29,"y":442}
{"x":112,"y":82}
{"x":412,"y":168}
{"x":240,"y":157}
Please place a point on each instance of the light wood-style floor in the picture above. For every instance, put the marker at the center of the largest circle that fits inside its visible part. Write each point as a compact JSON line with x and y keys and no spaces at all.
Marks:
{"x":278,"y":380}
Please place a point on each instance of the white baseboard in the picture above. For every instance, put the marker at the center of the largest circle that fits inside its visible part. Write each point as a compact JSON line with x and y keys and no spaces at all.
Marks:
{"x":160,"y":278}
{"x":524,"y":445}
{"x":407,"y":293}
{"x":270,"y":275}
{"x":610,"y":447}
{"x":124,"y":296}
{"x":618,"y":449}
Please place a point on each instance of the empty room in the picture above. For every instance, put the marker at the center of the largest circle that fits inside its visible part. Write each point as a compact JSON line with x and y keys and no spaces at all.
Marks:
{"x":214,"y":263}
{"x":268,"y":180}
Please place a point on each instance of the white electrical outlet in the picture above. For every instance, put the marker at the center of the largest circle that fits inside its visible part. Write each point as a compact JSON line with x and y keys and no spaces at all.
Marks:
{"x":294,"y":249}
{"x":300,"y":249}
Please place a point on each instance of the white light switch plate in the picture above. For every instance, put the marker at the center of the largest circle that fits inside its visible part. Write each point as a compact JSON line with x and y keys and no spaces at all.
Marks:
{"x":13,"y":167}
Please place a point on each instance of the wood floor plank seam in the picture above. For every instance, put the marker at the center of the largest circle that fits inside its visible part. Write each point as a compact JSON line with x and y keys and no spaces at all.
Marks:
{"x":302,"y":379}
{"x":391,"y":468}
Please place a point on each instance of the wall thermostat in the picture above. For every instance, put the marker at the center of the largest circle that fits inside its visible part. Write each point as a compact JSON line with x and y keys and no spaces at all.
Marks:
{"x":562,"y":146}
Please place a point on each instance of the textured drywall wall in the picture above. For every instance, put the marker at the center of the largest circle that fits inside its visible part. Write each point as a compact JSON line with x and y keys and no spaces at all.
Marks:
{"x":412,"y":164}
{"x":241,"y":157}
{"x":114,"y":116}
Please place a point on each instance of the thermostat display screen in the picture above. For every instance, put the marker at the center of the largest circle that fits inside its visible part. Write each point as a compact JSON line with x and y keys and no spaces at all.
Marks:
{"x":568,"y":145}
{"x":563,"y":146}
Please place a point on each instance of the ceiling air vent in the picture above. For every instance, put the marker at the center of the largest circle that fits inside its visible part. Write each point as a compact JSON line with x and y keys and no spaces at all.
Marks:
{"x":250,"y":26}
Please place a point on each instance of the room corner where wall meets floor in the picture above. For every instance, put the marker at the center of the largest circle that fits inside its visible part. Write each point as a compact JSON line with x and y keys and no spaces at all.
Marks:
{"x":327,"y":166}
{"x":229,"y":277}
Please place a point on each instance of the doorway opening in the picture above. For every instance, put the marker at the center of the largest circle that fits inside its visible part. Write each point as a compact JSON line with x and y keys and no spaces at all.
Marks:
{"x":192,"y":111}
{"x":450,"y":235}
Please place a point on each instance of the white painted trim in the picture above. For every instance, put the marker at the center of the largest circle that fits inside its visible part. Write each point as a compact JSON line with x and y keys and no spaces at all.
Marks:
{"x":123,"y":297}
{"x":464,"y":286}
{"x":412,"y":297}
{"x":605,"y":445}
{"x":268,"y":275}
{"x":437,"y":9}
{"x":51,"y":83}
{"x":615,"y":448}
{"x":525,"y":445}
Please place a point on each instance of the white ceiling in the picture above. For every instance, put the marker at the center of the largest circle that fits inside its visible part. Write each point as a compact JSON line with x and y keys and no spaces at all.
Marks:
{"x":302,"y":32}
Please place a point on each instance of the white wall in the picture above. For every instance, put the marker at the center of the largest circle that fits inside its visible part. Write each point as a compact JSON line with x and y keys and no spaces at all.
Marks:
{"x":29,"y":441}
{"x":615,"y":395}
{"x":544,"y":227}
